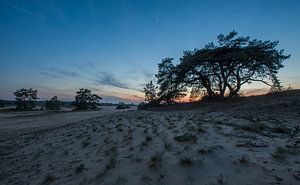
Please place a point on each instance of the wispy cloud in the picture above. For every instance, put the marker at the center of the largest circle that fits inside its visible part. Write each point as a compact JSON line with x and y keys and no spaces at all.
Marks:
{"x":49,"y":74}
{"x":64,"y":72}
{"x":58,"y":73}
{"x":20,"y":9}
{"x":105,"y":78}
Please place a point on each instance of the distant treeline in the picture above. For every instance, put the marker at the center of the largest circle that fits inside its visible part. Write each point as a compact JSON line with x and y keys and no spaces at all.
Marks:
{"x":27,"y":99}
{"x":11,"y":103}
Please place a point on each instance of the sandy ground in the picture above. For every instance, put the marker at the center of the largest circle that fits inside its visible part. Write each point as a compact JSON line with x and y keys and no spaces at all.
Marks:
{"x":12,"y":123}
{"x":251,"y":141}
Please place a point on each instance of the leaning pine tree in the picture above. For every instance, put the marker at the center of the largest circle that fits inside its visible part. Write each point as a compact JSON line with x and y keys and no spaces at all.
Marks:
{"x":224,"y":68}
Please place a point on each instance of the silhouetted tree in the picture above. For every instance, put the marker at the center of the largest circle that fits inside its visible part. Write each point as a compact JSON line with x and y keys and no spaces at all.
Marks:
{"x":235,"y":61}
{"x":167,"y":79}
{"x":85,"y":100}
{"x":150,"y":92}
{"x":25,"y":99}
{"x":53,"y":103}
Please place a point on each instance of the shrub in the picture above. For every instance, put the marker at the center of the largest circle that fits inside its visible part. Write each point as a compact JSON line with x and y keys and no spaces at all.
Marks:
{"x":122,"y":106}
{"x":186,"y":161}
{"x":80,"y":168}
{"x":155,"y":161}
{"x":25,"y":99}
{"x":186,"y":138}
{"x":85,"y":100}
{"x":53,"y":104}
{"x":142,"y":106}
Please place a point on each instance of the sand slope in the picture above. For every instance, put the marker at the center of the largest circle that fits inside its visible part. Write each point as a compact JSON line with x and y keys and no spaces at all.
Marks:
{"x":203,"y":146}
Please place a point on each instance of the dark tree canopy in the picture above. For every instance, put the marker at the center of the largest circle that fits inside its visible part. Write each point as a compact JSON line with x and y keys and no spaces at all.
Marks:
{"x":52,"y":104}
{"x":220,"y":70}
{"x":25,"y":99}
{"x":169,"y":89}
{"x":85,"y":100}
{"x":232,"y":63}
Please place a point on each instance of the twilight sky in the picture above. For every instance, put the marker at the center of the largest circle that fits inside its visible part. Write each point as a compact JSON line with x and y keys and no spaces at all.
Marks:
{"x":113,"y":47}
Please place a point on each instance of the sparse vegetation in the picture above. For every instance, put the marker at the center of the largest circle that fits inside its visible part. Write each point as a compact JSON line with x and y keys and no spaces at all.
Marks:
{"x":220,"y":179}
{"x":148,"y":138}
{"x":167,"y":146}
{"x":50,"y":178}
{"x":281,"y":152}
{"x":243,"y":159}
{"x":205,"y":151}
{"x":155,"y":160}
{"x":252,"y":127}
{"x":80,"y":168}
{"x":186,"y":138}
{"x":85,"y":142}
{"x":186,"y":161}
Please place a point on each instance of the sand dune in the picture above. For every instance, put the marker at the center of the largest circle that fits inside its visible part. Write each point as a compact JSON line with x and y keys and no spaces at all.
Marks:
{"x":242,"y":144}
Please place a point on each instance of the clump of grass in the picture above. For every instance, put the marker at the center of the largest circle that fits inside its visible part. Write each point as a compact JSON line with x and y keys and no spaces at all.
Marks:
{"x":279,"y":153}
{"x":85,"y":142}
{"x":205,"y":151}
{"x":253,"y":127}
{"x":220,"y":179}
{"x":155,"y":160}
{"x":66,"y":152}
{"x":111,"y":163}
{"x":80,"y":168}
{"x":186,"y":161}
{"x":146,"y":179}
{"x":219,"y":122}
{"x":95,"y":129}
{"x":50,"y":178}
{"x":200,"y":130}
{"x":148,"y":138}
{"x":167,"y":146}
{"x":83,"y":181}
{"x":243,"y":159}
{"x":280,"y":130}
{"x":187,"y":148}
{"x":186,"y":138}
{"x":144,"y":143}
{"x":121,"y":180}
{"x":190,"y":128}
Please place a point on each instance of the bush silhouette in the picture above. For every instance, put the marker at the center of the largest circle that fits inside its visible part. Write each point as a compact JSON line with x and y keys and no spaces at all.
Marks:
{"x":53,"y":104}
{"x":25,"y":99}
{"x":122,"y":105}
{"x":85,"y":100}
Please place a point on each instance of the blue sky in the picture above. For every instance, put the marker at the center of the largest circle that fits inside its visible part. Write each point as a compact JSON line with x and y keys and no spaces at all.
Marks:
{"x":113,"y":47}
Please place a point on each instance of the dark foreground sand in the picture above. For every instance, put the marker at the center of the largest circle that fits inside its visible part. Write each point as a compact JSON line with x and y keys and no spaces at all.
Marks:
{"x":249,"y":141}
